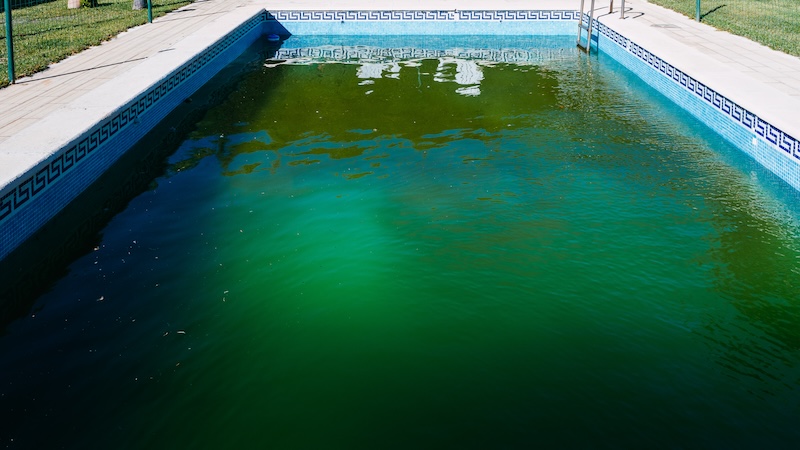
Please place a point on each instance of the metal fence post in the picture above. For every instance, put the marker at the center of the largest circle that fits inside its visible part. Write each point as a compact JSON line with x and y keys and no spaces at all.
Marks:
{"x":697,"y":11}
{"x":9,"y":43}
{"x":150,"y":11}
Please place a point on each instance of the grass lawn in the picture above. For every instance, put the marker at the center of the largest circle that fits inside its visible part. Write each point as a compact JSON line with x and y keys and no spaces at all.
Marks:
{"x":774,"y":23}
{"x":47,"y":31}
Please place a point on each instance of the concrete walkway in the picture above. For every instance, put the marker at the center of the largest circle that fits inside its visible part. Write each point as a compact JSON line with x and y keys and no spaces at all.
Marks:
{"x":764,"y":81}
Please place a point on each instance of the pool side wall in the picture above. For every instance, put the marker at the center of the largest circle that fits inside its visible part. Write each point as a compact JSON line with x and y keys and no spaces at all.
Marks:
{"x":770,"y":146}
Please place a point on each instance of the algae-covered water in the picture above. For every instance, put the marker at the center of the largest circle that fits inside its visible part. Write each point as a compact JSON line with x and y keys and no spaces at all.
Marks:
{"x":404,"y":247}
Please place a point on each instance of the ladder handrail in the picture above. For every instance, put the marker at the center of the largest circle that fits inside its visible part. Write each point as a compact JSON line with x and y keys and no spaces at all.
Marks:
{"x":621,"y":8}
{"x":580,"y":22}
{"x":588,"y":27}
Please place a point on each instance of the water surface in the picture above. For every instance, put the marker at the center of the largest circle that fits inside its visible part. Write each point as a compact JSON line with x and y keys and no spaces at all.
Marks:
{"x":413,"y":247}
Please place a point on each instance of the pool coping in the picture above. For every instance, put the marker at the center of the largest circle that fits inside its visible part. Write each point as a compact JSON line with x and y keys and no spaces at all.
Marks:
{"x":138,"y":98}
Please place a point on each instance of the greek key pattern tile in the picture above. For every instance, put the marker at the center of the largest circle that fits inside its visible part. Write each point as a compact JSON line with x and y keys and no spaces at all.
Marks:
{"x":738,"y":114}
{"x":414,"y":15}
{"x":518,"y":15}
{"x":361,"y":15}
{"x":621,"y":40}
{"x":26,"y":189}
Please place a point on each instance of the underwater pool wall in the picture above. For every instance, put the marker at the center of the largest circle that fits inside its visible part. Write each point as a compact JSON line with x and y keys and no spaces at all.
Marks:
{"x":30,"y":200}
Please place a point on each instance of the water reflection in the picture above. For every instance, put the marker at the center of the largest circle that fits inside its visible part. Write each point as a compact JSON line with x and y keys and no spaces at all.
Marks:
{"x":319,"y":105}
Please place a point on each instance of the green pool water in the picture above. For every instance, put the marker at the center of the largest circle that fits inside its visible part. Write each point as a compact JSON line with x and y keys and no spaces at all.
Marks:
{"x":430,"y":252}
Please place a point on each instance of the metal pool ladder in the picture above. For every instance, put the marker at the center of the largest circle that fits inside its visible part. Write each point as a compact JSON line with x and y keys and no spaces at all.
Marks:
{"x":583,"y":25}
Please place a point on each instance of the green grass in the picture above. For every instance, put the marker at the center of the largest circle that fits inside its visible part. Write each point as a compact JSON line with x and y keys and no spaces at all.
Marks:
{"x":47,"y":32}
{"x":774,"y":23}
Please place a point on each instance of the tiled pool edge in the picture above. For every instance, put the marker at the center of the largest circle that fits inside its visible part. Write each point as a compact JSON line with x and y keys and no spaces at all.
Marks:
{"x":774,"y":149}
{"x":38,"y":195}
{"x":28,"y":202}
{"x":418,"y":22}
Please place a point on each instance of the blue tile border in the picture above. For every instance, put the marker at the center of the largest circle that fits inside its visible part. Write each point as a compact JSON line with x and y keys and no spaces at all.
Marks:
{"x":417,"y":15}
{"x":427,"y":22}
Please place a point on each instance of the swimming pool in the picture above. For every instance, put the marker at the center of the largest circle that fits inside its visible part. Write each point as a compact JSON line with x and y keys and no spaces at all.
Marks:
{"x":440,"y":242}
